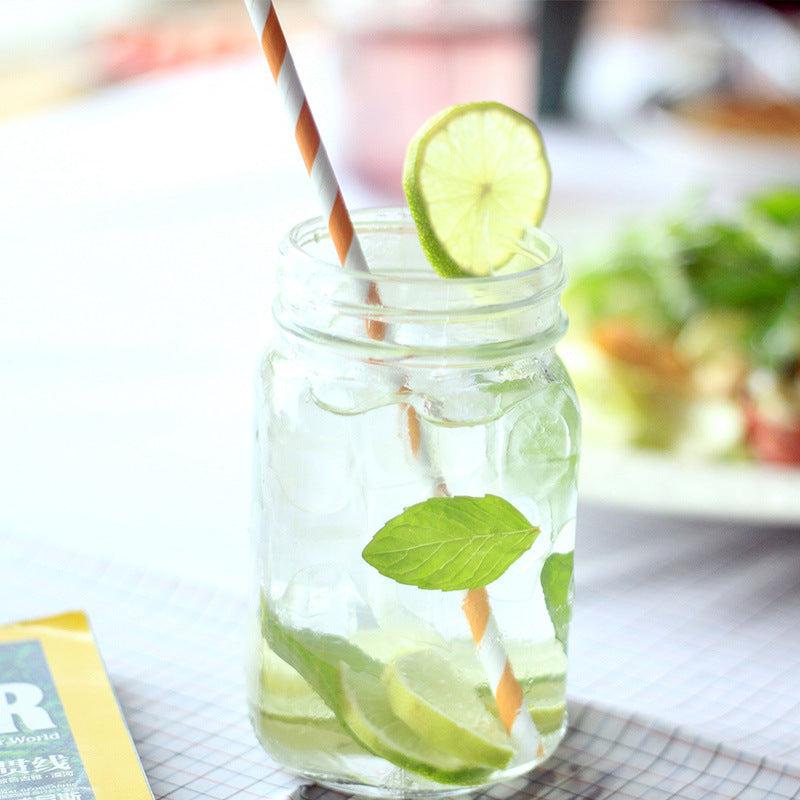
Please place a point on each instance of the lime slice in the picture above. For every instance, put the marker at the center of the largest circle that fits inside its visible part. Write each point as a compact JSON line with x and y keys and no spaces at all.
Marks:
{"x":548,"y":718}
{"x":285,"y":695}
{"x":540,"y":668}
{"x":369,"y":716}
{"x":326,"y":740}
{"x":382,"y":644}
{"x":475,"y":175}
{"x":431,"y":697}
{"x":545,"y":699}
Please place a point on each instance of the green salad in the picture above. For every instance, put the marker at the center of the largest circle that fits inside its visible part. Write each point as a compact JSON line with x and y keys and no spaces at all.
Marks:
{"x":685,"y":334}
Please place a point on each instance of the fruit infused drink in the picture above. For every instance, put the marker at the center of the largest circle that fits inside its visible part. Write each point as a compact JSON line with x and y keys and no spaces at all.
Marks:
{"x":413,"y":458}
{"x":414,"y":476}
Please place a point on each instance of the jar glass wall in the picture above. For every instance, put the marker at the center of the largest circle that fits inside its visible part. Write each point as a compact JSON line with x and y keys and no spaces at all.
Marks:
{"x":379,"y":392}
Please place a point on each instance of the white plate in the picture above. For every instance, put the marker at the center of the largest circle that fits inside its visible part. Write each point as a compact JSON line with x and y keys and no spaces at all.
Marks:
{"x":729,"y":165}
{"x":658,"y":482}
{"x":747,"y":160}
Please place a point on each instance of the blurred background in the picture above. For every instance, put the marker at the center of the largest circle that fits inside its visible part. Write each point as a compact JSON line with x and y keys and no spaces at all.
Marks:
{"x":600,"y":62}
{"x":147,"y":175}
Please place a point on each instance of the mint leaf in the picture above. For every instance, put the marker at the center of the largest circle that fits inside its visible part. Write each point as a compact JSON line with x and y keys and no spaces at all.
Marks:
{"x":451,"y":543}
{"x":558,"y":588}
{"x":316,"y":656}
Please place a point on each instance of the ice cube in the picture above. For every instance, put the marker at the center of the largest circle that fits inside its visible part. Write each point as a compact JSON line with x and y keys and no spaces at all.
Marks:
{"x":325,"y":598}
{"x":539,"y":448}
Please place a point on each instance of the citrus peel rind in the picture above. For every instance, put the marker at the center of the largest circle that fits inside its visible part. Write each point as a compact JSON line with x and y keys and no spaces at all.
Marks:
{"x":475,"y":176}
{"x":424,"y":691}
{"x":370,"y":718}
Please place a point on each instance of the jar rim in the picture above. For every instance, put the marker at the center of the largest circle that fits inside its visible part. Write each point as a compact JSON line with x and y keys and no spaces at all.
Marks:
{"x":398,"y":218}
{"x":402,"y":308}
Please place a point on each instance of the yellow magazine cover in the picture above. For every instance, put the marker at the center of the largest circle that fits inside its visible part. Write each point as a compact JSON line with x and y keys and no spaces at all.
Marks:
{"x":62,"y":735}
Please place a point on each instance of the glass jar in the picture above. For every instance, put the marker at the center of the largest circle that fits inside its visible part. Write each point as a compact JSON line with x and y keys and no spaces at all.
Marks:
{"x":393,"y":390}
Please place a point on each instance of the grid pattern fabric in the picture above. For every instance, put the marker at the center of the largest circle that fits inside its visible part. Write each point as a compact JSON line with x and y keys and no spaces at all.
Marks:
{"x":693,"y":622}
{"x":174,"y":653}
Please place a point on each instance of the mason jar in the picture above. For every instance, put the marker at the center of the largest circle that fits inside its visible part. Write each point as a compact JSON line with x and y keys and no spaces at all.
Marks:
{"x":413,"y":516}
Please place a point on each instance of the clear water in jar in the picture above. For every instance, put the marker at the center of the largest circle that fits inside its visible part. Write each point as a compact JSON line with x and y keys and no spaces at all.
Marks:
{"x":333,"y":464}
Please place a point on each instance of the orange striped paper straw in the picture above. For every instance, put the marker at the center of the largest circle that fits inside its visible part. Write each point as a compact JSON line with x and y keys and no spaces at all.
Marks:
{"x":507,"y":691}
{"x":505,"y":687}
{"x":273,"y":42}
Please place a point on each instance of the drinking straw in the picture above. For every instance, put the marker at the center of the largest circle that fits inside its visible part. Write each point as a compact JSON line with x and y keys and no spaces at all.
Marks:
{"x":485,"y":632}
{"x":315,"y":156}
{"x":505,"y":687}
{"x":312,"y":149}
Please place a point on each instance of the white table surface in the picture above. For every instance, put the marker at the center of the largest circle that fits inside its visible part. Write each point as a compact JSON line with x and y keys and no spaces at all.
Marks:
{"x":137,"y":233}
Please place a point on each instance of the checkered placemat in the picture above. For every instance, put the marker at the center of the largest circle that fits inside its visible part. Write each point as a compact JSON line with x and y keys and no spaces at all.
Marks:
{"x":174,"y":652}
{"x":609,"y":755}
{"x":691,"y":622}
